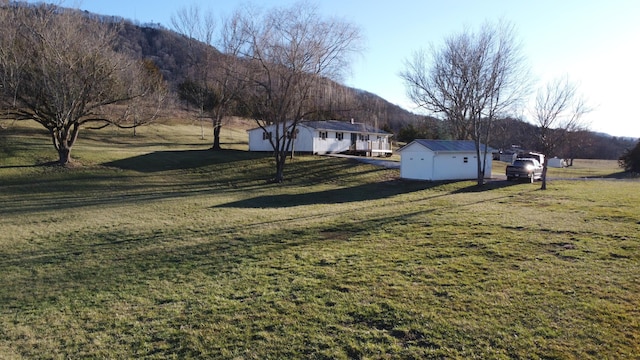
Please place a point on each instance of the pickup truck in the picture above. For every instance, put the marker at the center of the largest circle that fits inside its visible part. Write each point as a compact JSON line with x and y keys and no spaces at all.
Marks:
{"x":524,"y":168}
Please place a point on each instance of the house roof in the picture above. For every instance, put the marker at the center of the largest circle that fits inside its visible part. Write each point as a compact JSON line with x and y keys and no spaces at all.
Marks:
{"x":336,"y":125}
{"x":448,"y":145}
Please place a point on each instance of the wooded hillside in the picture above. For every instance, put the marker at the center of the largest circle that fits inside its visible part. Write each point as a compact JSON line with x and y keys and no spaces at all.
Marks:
{"x":170,"y":52}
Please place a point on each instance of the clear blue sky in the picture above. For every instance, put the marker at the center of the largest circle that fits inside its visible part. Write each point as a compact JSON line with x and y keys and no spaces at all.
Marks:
{"x":595,"y":42}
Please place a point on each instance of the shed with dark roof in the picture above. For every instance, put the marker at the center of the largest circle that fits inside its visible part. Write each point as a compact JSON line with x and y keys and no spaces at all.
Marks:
{"x":424,"y":159}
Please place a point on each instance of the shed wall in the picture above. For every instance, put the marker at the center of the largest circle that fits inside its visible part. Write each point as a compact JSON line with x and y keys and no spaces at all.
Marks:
{"x":416,"y":162}
{"x":420,"y":163}
{"x":456,"y":166}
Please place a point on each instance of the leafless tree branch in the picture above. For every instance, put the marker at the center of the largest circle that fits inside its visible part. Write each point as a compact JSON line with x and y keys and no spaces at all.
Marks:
{"x":470,"y":81}
{"x":59,"y":69}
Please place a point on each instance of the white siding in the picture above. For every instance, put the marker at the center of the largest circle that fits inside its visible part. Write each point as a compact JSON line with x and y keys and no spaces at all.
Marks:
{"x":416,"y":162}
{"x":455,"y":166}
{"x":257,"y":142}
{"x":331,"y":144}
{"x":303,"y":141}
{"x":308,"y":140}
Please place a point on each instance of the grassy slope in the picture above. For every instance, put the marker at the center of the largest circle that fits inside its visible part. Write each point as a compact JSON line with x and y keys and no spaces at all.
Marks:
{"x":157,"y":248}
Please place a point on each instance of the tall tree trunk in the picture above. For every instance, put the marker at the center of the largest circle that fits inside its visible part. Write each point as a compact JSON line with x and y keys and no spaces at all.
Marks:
{"x":64,"y":155}
{"x":217,"y":127}
{"x":280,"y":160}
{"x":482,"y":167}
{"x":63,"y":140}
{"x":544,"y":176}
{"x":480,"y":173}
{"x":62,"y":146}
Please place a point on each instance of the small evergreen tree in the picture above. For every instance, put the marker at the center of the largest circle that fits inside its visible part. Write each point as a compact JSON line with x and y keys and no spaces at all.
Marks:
{"x":630,"y":160}
{"x":408,"y":133}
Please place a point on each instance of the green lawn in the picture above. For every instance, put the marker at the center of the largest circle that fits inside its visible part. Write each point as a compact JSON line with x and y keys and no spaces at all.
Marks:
{"x":154,"y":247}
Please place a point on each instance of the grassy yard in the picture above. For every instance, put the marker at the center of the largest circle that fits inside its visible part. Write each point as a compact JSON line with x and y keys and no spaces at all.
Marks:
{"x":157,"y":248}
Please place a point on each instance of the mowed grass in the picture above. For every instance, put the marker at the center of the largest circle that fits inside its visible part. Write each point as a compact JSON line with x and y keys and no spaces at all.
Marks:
{"x":154,"y":247}
{"x":581,"y":169}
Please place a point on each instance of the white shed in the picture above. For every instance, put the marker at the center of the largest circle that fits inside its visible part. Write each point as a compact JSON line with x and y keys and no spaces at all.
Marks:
{"x":424,"y":159}
{"x":327,"y":137}
{"x":556,"y":162}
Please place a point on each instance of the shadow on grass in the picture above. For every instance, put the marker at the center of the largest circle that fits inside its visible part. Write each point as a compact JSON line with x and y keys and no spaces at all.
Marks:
{"x":213,"y":172}
{"x":20,"y":166}
{"x":622,"y":175}
{"x":182,"y":159}
{"x":489,"y":186}
{"x":364,"y":192}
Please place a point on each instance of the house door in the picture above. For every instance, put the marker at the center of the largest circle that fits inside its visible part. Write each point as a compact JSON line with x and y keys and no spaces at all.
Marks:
{"x":354,"y":139}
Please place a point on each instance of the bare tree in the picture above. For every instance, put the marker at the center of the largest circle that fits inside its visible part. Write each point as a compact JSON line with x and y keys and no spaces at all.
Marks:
{"x":558,"y":111}
{"x":59,"y":69}
{"x":199,"y":29}
{"x":575,"y":144}
{"x":215,"y":77}
{"x":293,"y":53}
{"x":472,"y":80}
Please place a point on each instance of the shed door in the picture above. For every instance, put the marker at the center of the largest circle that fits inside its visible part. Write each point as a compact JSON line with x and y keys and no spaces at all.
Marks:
{"x":416,"y":165}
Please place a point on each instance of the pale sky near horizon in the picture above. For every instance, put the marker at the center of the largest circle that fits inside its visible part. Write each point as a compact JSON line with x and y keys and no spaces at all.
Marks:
{"x":595,"y":43}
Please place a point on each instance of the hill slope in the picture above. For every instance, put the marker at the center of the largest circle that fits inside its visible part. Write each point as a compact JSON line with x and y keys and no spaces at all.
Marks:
{"x":168,"y":50}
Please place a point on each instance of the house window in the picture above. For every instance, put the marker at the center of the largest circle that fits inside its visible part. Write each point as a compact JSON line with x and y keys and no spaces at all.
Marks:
{"x":323,"y":135}
{"x":363,"y":137}
{"x":466,"y":159}
{"x":266,"y":135}
{"x":295,"y":134}
{"x":339,"y":135}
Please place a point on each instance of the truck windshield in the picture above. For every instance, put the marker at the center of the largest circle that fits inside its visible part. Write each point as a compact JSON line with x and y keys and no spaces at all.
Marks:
{"x":522,"y":163}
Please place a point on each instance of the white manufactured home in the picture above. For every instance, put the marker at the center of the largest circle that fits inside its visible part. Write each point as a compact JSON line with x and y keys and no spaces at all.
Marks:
{"x":327,"y":137}
{"x":434,"y":160}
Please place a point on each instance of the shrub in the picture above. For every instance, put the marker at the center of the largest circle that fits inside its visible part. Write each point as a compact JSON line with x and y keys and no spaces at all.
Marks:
{"x":630,"y":160}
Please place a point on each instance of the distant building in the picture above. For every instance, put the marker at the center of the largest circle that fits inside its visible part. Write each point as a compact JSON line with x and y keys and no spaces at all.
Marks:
{"x":557,"y":162}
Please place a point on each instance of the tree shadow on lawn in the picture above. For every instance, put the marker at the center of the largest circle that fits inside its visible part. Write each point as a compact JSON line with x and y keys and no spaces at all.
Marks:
{"x":489,"y":186}
{"x":22,"y":166}
{"x":182,"y":159}
{"x":364,"y":192}
{"x":621,"y":175}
